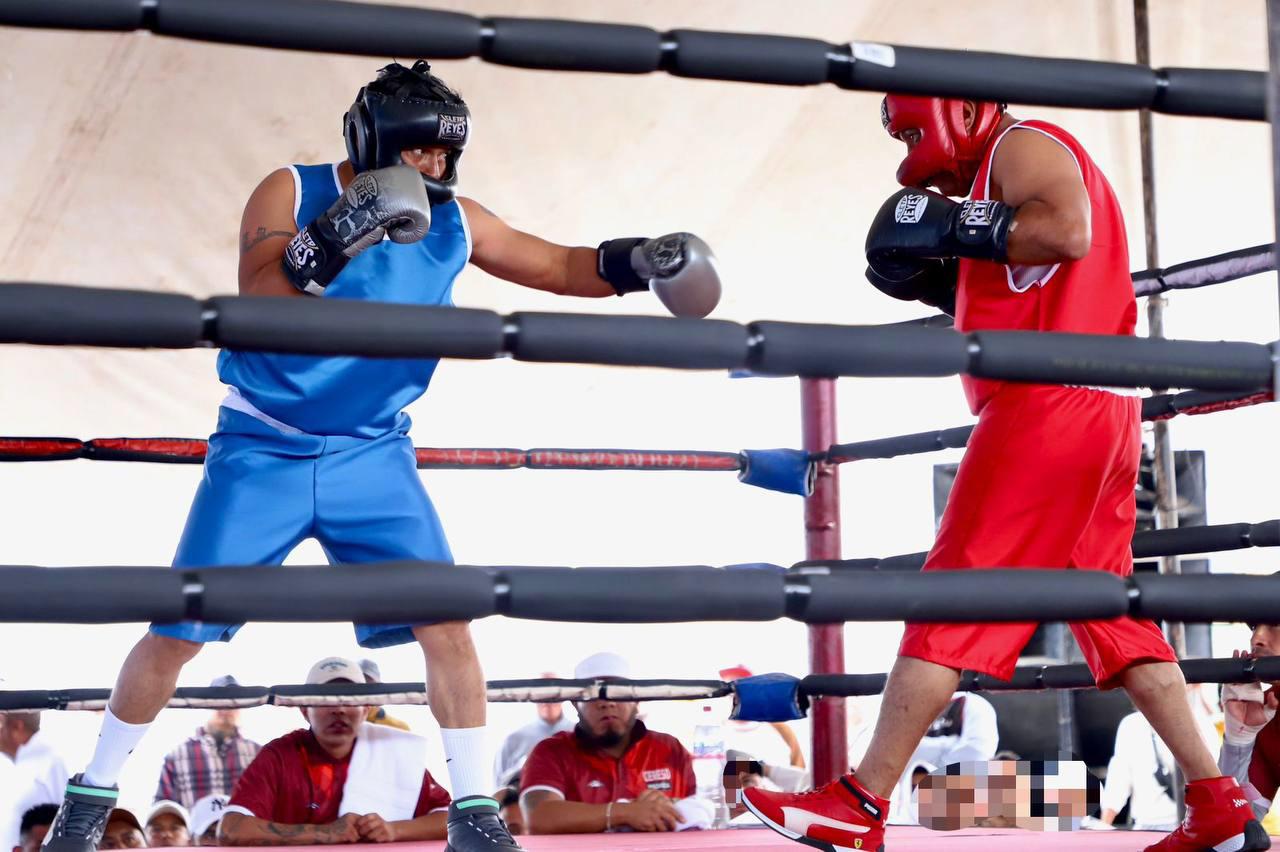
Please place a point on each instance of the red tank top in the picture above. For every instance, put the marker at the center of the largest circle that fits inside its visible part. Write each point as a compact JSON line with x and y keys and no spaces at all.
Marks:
{"x":1093,"y":295}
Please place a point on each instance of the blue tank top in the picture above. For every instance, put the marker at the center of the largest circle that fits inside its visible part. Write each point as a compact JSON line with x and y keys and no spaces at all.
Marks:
{"x":362,"y":397}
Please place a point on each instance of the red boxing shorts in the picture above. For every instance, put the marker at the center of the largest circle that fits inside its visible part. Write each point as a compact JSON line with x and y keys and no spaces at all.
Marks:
{"x":1047,"y":481}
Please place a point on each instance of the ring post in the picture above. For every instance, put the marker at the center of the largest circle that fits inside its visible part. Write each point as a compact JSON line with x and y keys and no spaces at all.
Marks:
{"x":822,"y":541}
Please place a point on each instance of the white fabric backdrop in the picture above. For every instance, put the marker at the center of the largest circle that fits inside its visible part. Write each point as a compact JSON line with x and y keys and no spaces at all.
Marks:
{"x":128,"y":158}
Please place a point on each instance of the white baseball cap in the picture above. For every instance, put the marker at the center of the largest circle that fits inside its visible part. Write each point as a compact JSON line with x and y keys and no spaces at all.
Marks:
{"x":335,"y":668}
{"x":205,"y":812}
{"x":164,"y":806}
{"x":603,"y":664}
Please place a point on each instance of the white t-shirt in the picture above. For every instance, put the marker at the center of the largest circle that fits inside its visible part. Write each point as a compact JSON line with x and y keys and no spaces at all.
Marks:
{"x":964,"y":732}
{"x":1131,"y":774}
{"x":37,"y":777}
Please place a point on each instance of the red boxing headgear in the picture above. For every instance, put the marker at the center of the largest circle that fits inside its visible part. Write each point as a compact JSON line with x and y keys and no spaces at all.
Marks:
{"x":945,"y":144}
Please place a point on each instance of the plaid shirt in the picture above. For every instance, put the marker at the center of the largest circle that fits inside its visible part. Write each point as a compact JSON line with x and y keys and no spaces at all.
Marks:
{"x":204,"y":766}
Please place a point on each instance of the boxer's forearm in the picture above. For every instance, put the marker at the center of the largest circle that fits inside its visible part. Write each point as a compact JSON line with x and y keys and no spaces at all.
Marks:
{"x":1042,"y":233}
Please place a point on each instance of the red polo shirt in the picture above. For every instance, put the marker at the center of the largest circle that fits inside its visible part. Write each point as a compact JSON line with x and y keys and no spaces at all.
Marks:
{"x":295,"y":781}
{"x":653,"y":761}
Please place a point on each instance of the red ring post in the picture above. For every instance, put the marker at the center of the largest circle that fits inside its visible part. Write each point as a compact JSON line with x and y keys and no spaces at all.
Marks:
{"x":822,"y":541}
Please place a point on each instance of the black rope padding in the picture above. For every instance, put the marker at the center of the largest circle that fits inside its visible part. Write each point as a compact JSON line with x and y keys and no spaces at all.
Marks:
{"x":424,"y":592}
{"x":548,"y":690}
{"x":1203,"y":272}
{"x":1039,"y":678}
{"x":1159,"y":407}
{"x":50,"y":314}
{"x":1181,"y":541}
{"x":407,"y":693}
{"x":193,"y":596}
{"x":382,"y":30}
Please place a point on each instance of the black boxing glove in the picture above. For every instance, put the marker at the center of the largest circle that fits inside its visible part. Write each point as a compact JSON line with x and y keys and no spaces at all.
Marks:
{"x":917,"y":223}
{"x":927,"y":280}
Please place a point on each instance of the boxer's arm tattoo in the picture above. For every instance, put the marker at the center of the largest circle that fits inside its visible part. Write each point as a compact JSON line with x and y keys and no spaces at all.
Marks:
{"x":248,"y":241}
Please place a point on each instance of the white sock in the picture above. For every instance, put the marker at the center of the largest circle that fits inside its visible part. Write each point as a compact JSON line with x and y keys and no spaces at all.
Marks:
{"x":465,"y":751}
{"x":116,"y":741}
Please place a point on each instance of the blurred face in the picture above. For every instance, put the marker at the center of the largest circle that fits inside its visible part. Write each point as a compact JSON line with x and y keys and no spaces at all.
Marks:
{"x":1266,"y":640}
{"x":167,"y":830}
{"x":335,"y":727}
{"x":224,"y":721}
{"x":432,"y":162}
{"x":607,"y":723}
{"x":122,"y":835}
{"x":210,"y":836}
{"x":33,"y":839}
{"x":551,"y":712}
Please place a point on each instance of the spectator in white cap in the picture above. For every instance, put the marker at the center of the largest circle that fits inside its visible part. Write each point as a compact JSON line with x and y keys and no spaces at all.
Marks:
{"x":340,"y":780}
{"x":211,"y":761}
{"x":379,"y":715}
{"x":610,"y":772}
{"x":206,"y":814}
{"x":167,"y":825}
{"x":123,"y":831}
{"x":516,"y":747}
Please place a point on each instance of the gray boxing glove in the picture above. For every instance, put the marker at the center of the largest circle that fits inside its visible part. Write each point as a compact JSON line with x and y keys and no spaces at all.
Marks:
{"x":679,"y":268}
{"x":391,"y":201}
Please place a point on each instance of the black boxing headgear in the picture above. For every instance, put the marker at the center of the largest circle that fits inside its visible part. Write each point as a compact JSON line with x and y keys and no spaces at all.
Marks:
{"x":406,"y":108}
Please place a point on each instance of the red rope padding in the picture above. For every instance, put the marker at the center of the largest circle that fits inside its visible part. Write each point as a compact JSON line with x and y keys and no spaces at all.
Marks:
{"x":1225,"y":405}
{"x":164,"y":450}
{"x":444,"y":457}
{"x":40,"y":449}
{"x":192,"y":451}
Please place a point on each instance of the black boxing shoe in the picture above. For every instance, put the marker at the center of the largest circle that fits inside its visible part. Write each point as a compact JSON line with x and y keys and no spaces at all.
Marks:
{"x":475,"y":826}
{"x":82,"y":818}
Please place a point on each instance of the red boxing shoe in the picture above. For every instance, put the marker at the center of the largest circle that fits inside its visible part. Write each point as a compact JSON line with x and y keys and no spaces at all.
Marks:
{"x":839,"y":817}
{"x":1219,"y":819}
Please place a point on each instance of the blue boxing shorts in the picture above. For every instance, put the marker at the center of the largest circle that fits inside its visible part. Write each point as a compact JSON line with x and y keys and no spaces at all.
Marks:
{"x":265,"y":490}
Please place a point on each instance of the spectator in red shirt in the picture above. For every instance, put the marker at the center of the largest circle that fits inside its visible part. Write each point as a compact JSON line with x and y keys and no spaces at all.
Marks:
{"x":293,"y":791}
{"x":610,"y":772}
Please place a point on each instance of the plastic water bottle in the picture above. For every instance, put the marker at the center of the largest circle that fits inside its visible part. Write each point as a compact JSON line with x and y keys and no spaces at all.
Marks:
{"x":708,"y":764}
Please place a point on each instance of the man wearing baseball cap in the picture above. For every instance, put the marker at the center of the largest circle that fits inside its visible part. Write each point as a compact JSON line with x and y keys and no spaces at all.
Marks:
{"x":168,"y":825}
{"x":206,"y":815}
{"x":610,"y":772}
{"x":123,"y":831}
{"x":294,"y":791}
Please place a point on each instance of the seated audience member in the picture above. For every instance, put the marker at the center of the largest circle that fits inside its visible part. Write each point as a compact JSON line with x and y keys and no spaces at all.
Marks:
{"x":211,"y":761}
{"x":34,"y":826}
{"x":341,"y":780}
{"x":516,"y":747}
{"x":123,"y":831}
{"x":167,"y":825}
{"x":610,"y":772}
{"x":206,"y":814}
{"x":1141,"y":772}
{"x":1251,"y":736}
{"x":379,"y":715}
{"x":964,"y":731}
{"x":37,"y":772}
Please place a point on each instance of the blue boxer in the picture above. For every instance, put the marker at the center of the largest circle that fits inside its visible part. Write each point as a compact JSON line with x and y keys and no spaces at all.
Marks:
{"x":317,"y":446}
